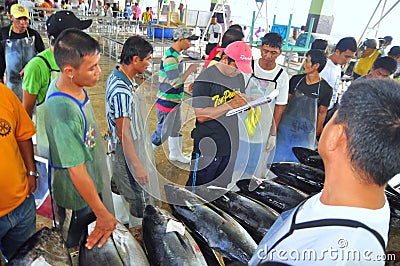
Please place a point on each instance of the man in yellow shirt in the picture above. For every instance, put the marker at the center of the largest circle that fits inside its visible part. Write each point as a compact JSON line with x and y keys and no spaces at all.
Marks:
{"x":367,"y":58}
{"x":18,"y":178}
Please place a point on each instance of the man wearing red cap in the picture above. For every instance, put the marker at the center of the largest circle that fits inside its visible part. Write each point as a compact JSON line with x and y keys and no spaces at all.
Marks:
{"x":216,"y":91}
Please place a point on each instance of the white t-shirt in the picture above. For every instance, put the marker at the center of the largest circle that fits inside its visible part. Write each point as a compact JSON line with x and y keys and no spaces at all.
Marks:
{"x":29,"y":5}
{"x":329,"y":245}
{"x":258,"y":88}
{"x":214,"y":28}
{"x":282,"y":82}
{"x":332,"y":73}
{"x":81,"y":9}
{"x":109,"y":13}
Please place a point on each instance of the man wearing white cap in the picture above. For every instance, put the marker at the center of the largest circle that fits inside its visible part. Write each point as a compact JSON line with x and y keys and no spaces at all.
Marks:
{"x":19,"y":44}
{"x":43,"y":68}
{"x":170,"y":92}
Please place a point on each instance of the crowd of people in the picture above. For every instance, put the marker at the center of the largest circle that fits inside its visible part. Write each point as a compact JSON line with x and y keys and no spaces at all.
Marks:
{"x":308,"y":111}
{"x":99,"y":8}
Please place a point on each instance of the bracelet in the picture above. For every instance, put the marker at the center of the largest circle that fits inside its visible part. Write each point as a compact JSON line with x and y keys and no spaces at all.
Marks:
{"x":33,"y":173}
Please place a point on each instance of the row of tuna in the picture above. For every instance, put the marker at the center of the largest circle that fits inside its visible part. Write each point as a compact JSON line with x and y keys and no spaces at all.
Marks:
{"x":202,"y":229}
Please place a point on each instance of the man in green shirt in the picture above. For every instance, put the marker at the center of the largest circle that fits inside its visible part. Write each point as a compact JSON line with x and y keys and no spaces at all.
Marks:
{"x":42,"y":69}
{"x":77,"y":156}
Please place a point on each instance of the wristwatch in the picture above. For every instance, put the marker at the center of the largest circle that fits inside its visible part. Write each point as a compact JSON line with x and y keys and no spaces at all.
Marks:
{"x":33,"y":173}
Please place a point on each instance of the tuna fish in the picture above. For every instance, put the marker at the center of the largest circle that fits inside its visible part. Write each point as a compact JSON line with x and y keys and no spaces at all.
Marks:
{"x":121,"y":248}
{"x":219,"y":230}
{"x":253,"y":215}
{"x":300,"y":176}
{"x":45,"y":244}
{"x":308,"y":157}
{"x":166,"y":240}
{"x":277,"y":196}
{"x":129,"y":249}
{"x":394,"y":200}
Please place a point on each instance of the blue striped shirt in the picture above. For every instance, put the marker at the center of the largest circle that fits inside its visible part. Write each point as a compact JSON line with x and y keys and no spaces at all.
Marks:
{"x":118,"y":96}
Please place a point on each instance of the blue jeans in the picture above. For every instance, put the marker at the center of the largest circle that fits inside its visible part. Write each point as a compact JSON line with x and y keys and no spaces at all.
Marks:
{"x":17,"y":226}
{"x":211,"y":170}
{"x":127,"y":185}
{"x":168,"y":125}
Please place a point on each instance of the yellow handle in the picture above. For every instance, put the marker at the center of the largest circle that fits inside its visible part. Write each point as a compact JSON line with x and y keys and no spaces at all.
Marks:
{"x":252,"y":119}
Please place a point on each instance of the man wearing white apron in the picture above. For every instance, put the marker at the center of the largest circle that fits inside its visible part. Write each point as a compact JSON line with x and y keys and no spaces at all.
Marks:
{"x":19,"y":44}
{"x":257,"y":139}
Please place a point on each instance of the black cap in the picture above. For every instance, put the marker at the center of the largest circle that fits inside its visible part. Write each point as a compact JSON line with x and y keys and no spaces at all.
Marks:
{"x":395,"y":50}
{"x":62,"y":20}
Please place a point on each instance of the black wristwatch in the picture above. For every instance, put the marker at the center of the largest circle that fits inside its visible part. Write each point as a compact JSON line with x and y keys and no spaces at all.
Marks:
{"x":33,"y":173}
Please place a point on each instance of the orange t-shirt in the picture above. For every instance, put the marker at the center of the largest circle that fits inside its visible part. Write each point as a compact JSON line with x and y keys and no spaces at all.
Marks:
{"x":15,"y":125}
{"x":46,"y":5}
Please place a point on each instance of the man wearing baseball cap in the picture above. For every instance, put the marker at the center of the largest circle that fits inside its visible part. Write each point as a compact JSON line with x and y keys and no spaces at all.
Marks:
{"x":216,"y":136}
{"x":171,"y":82}
{"x":395,"y":54}
{"x":43,"y":68}
{"x":367,"y":58}
{"x":19,"y":44}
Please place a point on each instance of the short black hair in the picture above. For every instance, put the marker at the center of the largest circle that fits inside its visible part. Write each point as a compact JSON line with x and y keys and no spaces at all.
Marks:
{"x":135,"y":46}
{"x":370,"y":111}
{"x":319,"y":44}
{"x":348,"y":43}
{"x":230,"y":36}
{"x":236,"y":27}
{"x":272,"y":39}
{"x":72,"y":45}
{"x":387,"y":63}
{"x":317,"y":57}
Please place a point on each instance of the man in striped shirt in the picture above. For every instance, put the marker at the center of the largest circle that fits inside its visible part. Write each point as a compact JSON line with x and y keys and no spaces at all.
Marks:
{"x":121,"y":113}
{"x":170,"y":92}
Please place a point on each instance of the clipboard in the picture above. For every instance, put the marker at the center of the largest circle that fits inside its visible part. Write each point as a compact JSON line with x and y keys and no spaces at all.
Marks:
{"x":257,"y":102}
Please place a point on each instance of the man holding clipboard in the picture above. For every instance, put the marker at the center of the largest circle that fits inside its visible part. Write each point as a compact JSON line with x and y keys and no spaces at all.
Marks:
{"x":215,"y":136}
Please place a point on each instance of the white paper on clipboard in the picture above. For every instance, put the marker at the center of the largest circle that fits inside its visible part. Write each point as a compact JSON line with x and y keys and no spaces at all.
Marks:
{"x":259,"y":101}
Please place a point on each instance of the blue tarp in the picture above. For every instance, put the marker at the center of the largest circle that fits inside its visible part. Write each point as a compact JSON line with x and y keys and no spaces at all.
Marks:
{"x":281,"y":29}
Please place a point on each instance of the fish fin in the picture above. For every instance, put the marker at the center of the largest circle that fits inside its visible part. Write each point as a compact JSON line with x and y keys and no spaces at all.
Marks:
{"x":219,"y":257}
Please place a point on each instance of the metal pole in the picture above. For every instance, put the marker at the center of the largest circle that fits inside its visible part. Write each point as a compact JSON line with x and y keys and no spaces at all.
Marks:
{"x":383,"y":10}
{"x":310,"y":27}
{"x":186,"y":14}
{"x":266,"y":15}
{"x":366,"y":27}
{"x":288,"y":31}
{"x":252,"y":28}
{"x":387,"y":13}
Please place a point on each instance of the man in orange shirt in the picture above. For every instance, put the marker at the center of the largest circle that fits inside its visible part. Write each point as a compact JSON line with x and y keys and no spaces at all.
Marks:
{"x":46,"y":4}
{"x":18,"y":174}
